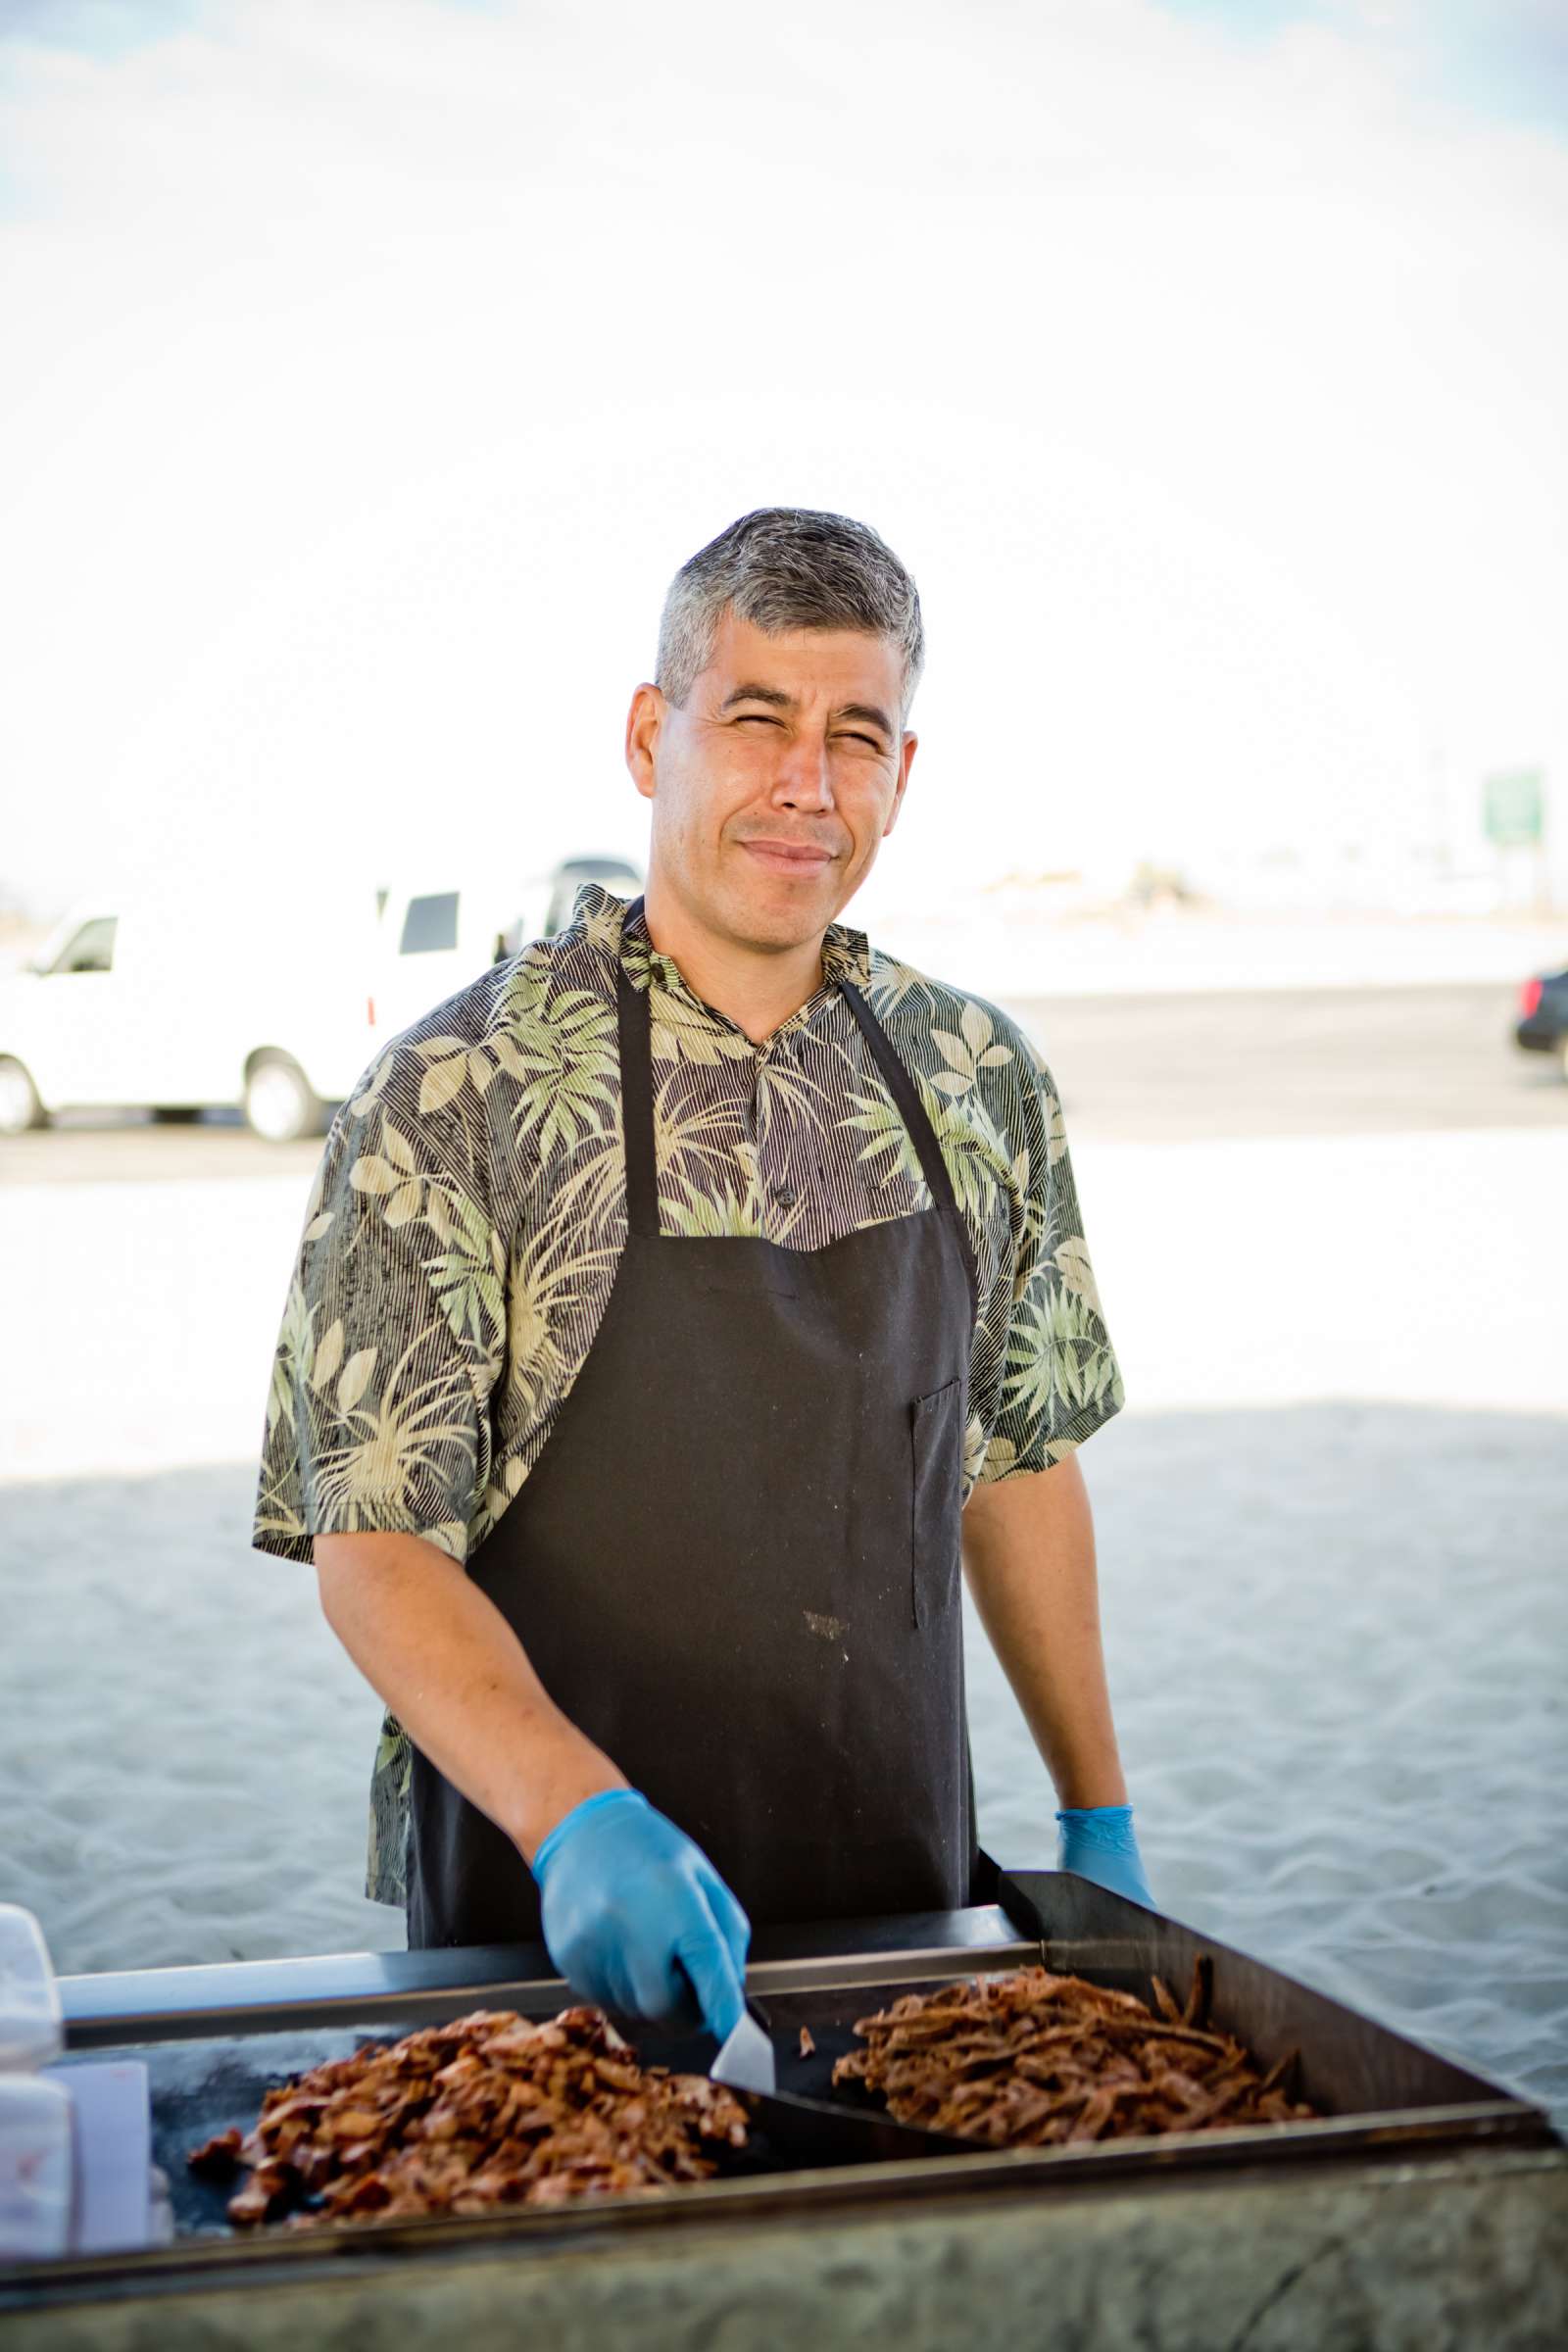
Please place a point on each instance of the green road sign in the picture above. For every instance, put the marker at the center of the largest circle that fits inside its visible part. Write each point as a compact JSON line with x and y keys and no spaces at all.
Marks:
{"x":1515,"y":809}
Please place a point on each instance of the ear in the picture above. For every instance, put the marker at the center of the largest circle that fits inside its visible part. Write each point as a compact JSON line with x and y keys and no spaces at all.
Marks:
{"x":909,"y":745}
{"x":644,"y":720}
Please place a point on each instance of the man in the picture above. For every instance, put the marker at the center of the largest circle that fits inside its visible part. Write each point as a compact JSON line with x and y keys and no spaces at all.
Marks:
{"x":674,"y":1306}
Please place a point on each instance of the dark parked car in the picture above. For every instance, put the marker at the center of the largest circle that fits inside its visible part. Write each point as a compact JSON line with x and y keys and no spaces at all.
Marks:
{"x":1542,"y":1023}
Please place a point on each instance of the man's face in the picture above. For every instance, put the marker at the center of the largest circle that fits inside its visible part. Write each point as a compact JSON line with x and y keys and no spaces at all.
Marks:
{"x":776,"y":784}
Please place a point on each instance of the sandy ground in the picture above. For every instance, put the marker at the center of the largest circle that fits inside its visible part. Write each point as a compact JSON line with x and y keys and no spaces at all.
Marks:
{"x":1335,"y":1633}
{"x":1332,"y":1527}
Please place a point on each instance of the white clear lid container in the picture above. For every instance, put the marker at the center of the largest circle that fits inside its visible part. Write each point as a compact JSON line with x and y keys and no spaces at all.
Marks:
{"x":111,"y":2118}
{"x":36,"y":2172}
{"x":30,"y":2033}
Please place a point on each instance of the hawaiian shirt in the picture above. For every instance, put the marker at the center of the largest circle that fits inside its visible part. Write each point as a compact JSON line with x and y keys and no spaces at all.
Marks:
{"x":465,"y":1223}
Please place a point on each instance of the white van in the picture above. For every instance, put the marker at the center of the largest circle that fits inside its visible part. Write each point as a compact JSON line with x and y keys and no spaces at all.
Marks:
{"x":174,"y":1005}
{"x":276,"y":1004}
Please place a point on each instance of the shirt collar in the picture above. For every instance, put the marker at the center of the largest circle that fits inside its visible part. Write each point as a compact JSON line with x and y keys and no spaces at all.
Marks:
{"x":603,"y":917}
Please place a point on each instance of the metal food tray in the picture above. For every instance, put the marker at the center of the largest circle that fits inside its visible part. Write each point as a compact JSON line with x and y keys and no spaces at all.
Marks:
{"x":216,"y":2038}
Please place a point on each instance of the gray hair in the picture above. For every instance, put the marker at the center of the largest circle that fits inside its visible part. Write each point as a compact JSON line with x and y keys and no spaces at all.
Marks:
{"x":789,"y":567}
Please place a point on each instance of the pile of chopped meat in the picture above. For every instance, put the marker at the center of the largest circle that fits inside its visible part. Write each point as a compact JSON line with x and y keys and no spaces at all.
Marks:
{"x":489,"y":2111}
{"x":1033,"y":2060}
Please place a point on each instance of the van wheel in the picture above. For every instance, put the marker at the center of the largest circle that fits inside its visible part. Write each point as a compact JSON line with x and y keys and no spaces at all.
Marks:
{"x":176,"y":1115}
{"x":279,"y":1104}
{"x":20,"y":1106}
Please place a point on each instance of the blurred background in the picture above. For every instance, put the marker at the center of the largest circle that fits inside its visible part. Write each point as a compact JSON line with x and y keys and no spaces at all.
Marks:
{"x":370,"y":370}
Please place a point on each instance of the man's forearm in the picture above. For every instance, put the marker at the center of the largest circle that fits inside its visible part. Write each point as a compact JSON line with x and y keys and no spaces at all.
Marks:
{"x":1029,"y":1558}
{"x":456,"y":1678}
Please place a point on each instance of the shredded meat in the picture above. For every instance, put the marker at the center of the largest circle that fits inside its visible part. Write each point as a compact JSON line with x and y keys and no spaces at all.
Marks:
{"x":1034,"y":2060}
{"x":488,"y":2111}
{"x":219,"y":2156}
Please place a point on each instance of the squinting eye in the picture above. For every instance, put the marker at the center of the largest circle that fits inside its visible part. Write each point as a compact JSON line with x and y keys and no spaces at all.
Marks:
{"x":756,"y":718}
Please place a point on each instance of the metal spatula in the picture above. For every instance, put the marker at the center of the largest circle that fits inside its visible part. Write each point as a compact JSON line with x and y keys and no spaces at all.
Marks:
{"x":816,"y":2132}
{"x":745,"y":2058}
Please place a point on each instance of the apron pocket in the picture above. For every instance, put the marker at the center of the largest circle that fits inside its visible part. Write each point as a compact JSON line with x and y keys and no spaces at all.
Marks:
{"x":937,"y":1435}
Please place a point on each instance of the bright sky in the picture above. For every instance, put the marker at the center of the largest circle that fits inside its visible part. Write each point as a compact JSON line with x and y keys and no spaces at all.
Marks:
{"x":372,"y":363}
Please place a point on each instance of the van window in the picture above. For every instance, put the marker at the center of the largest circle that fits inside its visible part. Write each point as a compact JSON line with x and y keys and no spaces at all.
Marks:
{"x":430,"y":925}
{"x":91,"y":949}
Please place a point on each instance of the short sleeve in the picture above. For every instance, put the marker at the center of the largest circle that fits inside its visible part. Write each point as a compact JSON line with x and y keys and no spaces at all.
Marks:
{"x":376,"y":1415}
{"x":1052,"y":1377}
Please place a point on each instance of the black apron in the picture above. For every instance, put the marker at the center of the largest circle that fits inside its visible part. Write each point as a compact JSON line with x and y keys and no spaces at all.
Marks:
{"x":735,"y":1564}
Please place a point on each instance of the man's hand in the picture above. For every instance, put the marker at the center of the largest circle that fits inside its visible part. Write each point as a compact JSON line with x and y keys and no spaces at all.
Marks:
{"x":1097,"y":1842}
{"x":633,"y":1910}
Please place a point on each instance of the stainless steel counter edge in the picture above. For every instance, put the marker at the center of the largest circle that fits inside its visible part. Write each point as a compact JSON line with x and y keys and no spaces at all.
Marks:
{"x":358,"y":1987}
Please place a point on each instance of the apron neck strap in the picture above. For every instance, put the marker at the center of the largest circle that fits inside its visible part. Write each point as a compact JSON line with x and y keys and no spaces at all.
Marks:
{"x":637,"y":1101}
{"x":900,"y":1085}
{"x":637,"y":1098}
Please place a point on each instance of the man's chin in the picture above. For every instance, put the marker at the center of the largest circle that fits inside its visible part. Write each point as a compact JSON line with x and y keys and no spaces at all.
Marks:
{"x":778,"y":937}
{"x":779,"y":920}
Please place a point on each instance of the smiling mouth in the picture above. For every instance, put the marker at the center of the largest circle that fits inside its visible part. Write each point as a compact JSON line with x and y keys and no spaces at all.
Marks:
{"x":788,"y":857}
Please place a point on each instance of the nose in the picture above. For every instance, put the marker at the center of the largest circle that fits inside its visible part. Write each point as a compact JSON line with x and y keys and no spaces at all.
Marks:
{"x":803,"y":779}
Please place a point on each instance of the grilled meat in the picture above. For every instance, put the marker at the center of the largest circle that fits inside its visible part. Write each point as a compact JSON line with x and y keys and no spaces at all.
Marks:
{"x":1036,"y":2060}
{"x":489,"y":2111}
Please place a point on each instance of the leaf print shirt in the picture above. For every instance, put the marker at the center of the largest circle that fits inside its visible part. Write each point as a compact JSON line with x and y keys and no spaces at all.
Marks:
{"x":466,"y":1221}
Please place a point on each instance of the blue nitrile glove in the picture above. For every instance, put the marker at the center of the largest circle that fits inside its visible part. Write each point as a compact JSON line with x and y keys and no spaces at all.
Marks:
{"x":629,"y":1903}
{"x":1097,"y":1842}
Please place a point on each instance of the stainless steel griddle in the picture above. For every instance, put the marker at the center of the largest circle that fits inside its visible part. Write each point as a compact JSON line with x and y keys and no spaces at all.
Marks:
{"x":216,"y":2038}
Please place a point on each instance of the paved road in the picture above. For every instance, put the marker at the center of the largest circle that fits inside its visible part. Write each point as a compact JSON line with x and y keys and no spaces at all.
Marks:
{"x":1320,"y":1062}
{"x":115,"y":1148}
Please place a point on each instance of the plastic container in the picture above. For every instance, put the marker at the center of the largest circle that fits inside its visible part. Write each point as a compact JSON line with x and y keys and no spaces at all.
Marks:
{"x":30,"y":2033}
{"x":110,"y":2121}
{"x":36,"y":2169}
